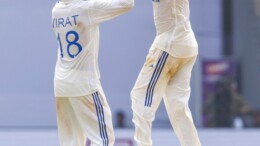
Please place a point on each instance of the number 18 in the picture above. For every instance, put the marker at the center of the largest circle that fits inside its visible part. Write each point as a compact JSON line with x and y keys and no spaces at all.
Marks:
{"x":70,"y":43}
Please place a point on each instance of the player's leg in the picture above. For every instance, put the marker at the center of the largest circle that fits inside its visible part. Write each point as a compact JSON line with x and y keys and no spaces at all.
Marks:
{"x":147,"y":95}
{"x":176,"y":102}
{"x":69,"y":131}
{"x":94,"y":116}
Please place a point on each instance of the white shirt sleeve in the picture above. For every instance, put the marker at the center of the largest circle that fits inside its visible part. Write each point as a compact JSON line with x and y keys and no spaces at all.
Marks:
{"x":103,"y":10}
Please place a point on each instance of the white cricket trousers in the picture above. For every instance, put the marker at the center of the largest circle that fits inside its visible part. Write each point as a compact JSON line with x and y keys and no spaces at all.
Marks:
{"x":88,"y":117}
{"x":164,"y":77}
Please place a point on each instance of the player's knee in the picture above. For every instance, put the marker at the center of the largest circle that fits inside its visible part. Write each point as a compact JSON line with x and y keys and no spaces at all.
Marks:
{"x":137,"y":104}
{"x":132,"y":94}
{"x":142,"y":113}
{"x":139,"y":109}
{"x":181,"y":109}
{"x":137,"y":92}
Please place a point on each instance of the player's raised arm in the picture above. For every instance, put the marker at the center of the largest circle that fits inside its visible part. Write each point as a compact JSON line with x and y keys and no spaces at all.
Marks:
{"x":103,"y":10}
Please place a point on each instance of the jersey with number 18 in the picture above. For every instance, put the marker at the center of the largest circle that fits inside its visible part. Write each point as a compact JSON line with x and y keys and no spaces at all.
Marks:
{"x":76,"y":27}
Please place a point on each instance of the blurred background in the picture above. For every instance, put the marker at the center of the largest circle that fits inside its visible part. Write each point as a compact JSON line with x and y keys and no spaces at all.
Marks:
{"x":225,"y":99}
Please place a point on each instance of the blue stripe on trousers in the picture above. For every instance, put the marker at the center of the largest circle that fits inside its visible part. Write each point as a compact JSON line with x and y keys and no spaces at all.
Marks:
{"x":154,"y":79}
{"x":101,"y":119}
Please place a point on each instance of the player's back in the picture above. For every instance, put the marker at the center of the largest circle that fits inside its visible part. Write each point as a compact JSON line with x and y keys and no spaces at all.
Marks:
{"x":168,"y":14}
{"x":174,"y":32}
{"x":76,"y":27}
{"x":72,"y":28}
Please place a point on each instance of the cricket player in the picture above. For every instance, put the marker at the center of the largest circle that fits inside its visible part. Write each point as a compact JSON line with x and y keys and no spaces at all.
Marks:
{"x":82,"y":109}
{"x":166,"y":74}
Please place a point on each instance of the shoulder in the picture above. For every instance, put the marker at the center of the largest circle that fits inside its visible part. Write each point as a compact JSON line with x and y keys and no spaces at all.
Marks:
{"x":55,"y":7}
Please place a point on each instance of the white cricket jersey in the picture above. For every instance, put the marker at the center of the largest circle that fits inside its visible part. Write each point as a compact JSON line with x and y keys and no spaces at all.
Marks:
{"x":173,"y":29}
{"x":76,"y":26}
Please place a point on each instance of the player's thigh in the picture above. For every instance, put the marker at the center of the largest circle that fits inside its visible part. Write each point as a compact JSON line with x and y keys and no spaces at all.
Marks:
{"x":64,"y":109}
{"x":105,"y":104}
{"x":147,"y":71}
{"x":83,"y":108}
{"x":94,"y":116}
{"x":179,"y":85}
{"x":150,"y":85}
{"x":181,"y":78}
{"x":68,"y":127}
{"x":151,"y":74}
